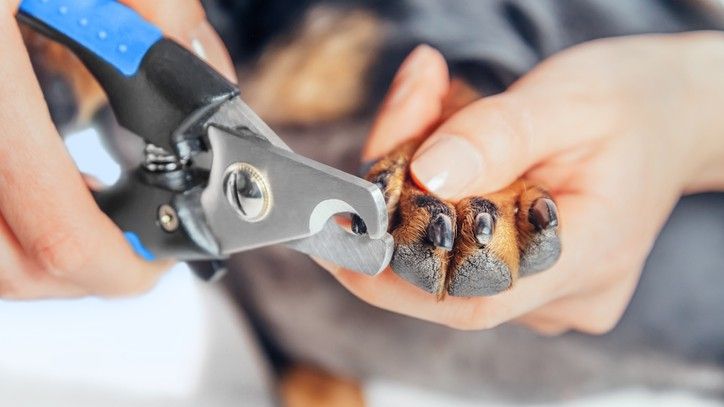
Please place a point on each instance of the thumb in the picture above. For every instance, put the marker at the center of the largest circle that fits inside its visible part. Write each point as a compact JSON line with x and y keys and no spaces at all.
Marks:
{"x":489,"y":144}
{"x":187,"y":24}
{"x":414,"y":103}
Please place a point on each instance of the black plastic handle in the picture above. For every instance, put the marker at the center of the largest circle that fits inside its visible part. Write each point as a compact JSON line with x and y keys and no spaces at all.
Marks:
{"x":153,"y":98}
{"x":157,"y":90}
{"x":137,"y":207}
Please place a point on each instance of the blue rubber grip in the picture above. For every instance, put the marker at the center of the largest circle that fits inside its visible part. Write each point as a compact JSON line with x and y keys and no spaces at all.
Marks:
{"x":138,"y":246}
{"x":110,"y":30}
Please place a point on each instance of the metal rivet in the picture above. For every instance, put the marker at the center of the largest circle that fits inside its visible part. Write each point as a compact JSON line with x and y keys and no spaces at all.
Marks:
{"x":83,"y":22}
{"x":122,"y":48}
{"x":63,"y":9}
{"x":102,"y":35}
{"x":167,"y":218}
{"x":247,"y":192}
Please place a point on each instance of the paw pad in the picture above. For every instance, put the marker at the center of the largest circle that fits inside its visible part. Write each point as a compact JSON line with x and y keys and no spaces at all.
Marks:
{"x":477,"y":247}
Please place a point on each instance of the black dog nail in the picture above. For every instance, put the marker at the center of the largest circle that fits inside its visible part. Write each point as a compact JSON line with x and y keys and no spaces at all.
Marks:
{"x":543,"y":214}
{"x":382,"y":180}
{"x":440,"y":232}
{"x":358,"y":225}
{"x":484,"y":227}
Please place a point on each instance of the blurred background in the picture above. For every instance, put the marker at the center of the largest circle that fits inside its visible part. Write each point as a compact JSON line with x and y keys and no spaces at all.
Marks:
{"x":183,"y":344}
{"x":186,"y":343}
{"x":316,"y":70}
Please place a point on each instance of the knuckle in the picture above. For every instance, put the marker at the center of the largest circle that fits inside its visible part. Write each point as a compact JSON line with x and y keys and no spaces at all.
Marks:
{"x":467,"y":326}
{"x":551,"y":331}
{"x":136,"y":287}
{"x":566,"y":280}
{"x":508,"y":122}
{"x":460,"y":325}
{"x":599,"y":327}
{"x":604,"y":310}
{"x":61,"y":252}
{"x":600,"y":324}
{"x":8,"y":290}
{"x":474,"y":317}
{"x":516,"y":117}
{"x":8,"y":6}
{"x":143,"y":284}
{"x":135,"y":282}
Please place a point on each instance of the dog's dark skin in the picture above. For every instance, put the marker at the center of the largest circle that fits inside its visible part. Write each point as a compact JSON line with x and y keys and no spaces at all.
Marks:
{"x":478,"y":246}
{"x":274,"y":287}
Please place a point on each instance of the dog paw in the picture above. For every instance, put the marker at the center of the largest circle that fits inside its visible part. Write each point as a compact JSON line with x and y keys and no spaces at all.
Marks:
{"x":478,"y":246}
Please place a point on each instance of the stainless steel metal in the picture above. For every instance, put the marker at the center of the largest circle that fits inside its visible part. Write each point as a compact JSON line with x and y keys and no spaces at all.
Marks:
{"x":246,"y":192}
{"x":167,"y":218}
{"x":306,"y":194}
{"x":354,"y":252}
{"x":156,"y":159}
{"x":235,"y":113}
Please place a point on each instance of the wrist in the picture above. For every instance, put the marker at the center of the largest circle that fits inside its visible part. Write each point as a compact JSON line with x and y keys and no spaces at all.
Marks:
{"x":701,"y":63}
{"x":666,"y":91}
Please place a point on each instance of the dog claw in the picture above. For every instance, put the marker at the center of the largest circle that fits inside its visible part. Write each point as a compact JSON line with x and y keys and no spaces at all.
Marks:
{"x":543,"y":247}
{"x":543,"y":214}
{"x":440,"y":232}
{"x":358,"y":225}
{"x":478,"y":246}
{"x":484,"y":228}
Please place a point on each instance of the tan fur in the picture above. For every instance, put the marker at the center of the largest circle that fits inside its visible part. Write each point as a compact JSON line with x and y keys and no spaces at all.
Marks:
{"x":513,"y":230}
{"x":395,"y":163}
{"x":528,"y":193}
{"x":316,"y":76}
{"x":412,"y":228}
{"x":303,"y":386}
{"x":504,"y":243}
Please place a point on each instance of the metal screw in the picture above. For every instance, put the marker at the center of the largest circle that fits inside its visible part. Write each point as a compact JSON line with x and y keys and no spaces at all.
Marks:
{"x":247,"y":192}
{"x":167,"y":218}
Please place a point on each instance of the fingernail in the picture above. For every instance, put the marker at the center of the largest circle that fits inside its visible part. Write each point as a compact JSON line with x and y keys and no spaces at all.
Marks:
{"x":411,"y":68}
{"x":415,"y":60}
{"x":207,"y":45}
{"x":543,"y":214}
{"x":445,"y":165}
{"x":484,"y":227}
{"x":440,"y":232}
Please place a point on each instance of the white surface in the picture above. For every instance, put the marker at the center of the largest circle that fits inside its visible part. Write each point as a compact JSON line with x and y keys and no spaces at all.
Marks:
{"x":91,"y":158}
{"x":388,"y":394}
{"x":153,"y":344}
{"x":181,"y":344}
{"x":150,"y":345}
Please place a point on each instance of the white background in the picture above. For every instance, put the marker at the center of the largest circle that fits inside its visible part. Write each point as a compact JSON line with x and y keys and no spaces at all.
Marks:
{"x":182,"y":344}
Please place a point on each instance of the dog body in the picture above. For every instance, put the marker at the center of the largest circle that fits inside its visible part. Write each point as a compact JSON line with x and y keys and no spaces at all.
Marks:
{"x":304,"y":316}
{"x":316,"y":70}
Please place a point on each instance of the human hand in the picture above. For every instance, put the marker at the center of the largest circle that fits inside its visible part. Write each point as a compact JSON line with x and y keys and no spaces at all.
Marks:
{"x":54,"y":241}
{"x":617,"y":130}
